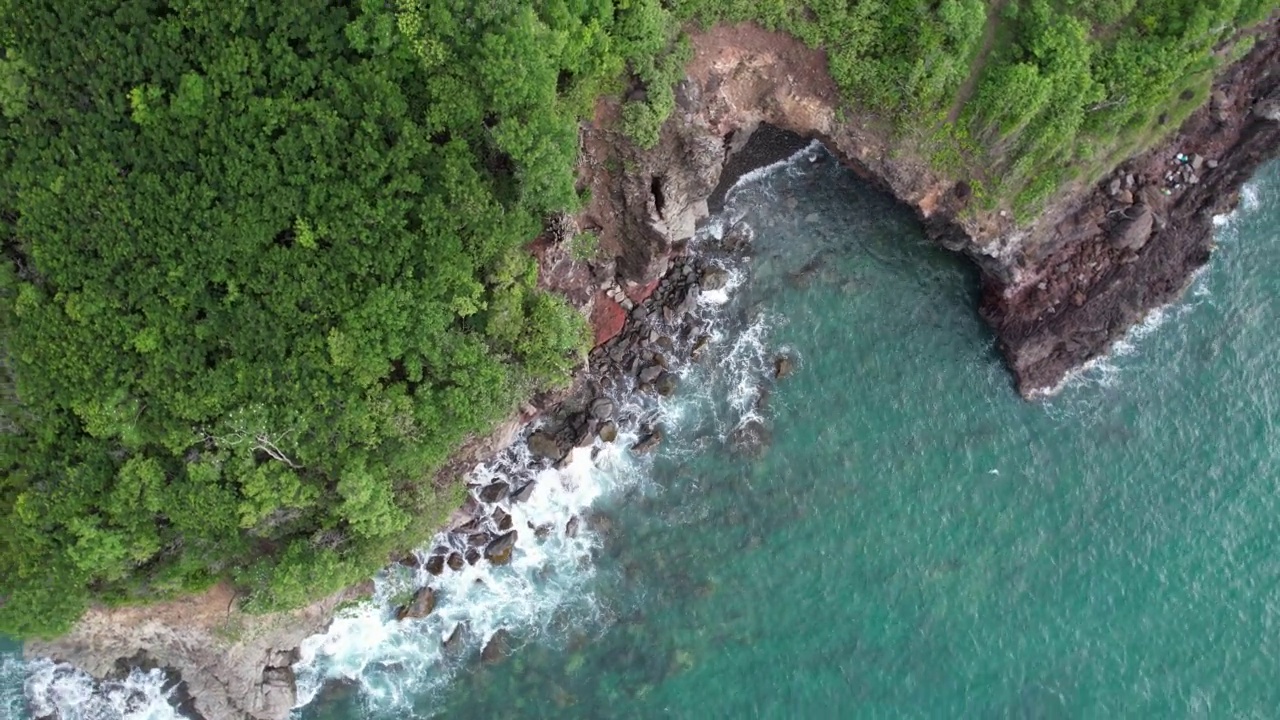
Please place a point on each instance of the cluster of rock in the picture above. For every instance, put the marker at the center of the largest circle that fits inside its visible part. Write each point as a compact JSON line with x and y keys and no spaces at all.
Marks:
{"x":661,"y":330}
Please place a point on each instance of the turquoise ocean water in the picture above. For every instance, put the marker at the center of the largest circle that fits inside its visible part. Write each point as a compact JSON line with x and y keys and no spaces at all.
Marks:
{"x":914,"y":540}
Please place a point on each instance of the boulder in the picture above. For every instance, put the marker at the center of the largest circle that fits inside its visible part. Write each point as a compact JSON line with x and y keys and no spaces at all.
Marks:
{"x":473,"y":556}
{"x":501,"y":520}
{"x":468,"y":527}
{"x":455,"y":561}
{"x":609,"y":432}
{"x":435,"y":564}
{"x":699,"y":347}
{"x":783,"y":366}
{"x":1134,"y":231}
{"x":650,"y":373}
{"x":524,"y":493}
{"x":714,"y":279}
{"x":666,"y":384}
{"x":648,"y":443}
{"x":423,"y":602}
{"x":750,"y":438}
{"x":497,"y":648}
{"x":543,"y":444}
{"x":571,"y":527}
{"x":602,"y":408}
{"x":495,"y":492}
{"x":457,"y":640}
{"x":498,"y":551}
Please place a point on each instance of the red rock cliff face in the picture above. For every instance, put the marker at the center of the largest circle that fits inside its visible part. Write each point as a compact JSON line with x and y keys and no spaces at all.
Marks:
{"x":1057,"y":293}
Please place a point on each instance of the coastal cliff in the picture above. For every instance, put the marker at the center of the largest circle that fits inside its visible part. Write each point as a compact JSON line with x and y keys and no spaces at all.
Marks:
{"x":1057,"y":293}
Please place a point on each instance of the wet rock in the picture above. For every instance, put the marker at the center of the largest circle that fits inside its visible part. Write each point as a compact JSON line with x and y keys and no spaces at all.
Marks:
{"x":411,"y":561}
{"x":524,"y":493}
{"x":609,"y":432}
{"x":665,"y":343}
{"x":435,"y":564}
{"x":666,"y":384}
{"x":783,"y":366}
{"x":495,"y":492}
{"x":751,"y":438}
{"x":699,"y":347}
{"x":714,"y":279}
{"x":497,"y":648}
{"x":455,"y":561}
{"x":1134,"y":231}
{"x":423,"y":602}
{"x":602,"y":408}
{"x":457,"y":640}
{"x":571,"y":527}
{"x":650,"y":373}
{"x":479,"y":539}
{"x":737,"y":239}
{"x":543,"y":445}
{"x":648,"y":443}
{"x":501,"y":518}
{"x":471,"y":526}
{"x":473,"y":556}
{"x":499,"y":550}
{"x":542,"y":532}
{"x":584,"y":434}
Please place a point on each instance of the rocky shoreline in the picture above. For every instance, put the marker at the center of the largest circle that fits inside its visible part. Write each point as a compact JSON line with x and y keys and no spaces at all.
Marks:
{"x":658,"y":334}
{"x":1057,"y":294}
{"x":1094,"y":266}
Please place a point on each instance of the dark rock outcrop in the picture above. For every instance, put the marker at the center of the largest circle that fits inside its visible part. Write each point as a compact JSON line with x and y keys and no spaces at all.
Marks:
{"x":499,"y":550}
{"x":423,"y":602}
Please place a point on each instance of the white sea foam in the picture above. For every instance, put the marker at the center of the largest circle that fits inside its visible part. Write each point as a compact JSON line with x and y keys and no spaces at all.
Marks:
{"x":395,"y":662}
{"x":1250,"y":200}
{"x":68,"y":693}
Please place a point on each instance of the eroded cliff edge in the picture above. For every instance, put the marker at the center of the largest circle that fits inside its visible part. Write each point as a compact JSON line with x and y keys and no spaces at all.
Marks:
{"x":1057,"y":293}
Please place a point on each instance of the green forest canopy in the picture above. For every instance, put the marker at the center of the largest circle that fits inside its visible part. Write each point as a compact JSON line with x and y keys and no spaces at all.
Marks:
{"x":263,"y":262}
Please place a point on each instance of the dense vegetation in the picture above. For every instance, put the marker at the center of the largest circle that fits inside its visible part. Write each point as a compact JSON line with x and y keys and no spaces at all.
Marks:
{"x":264,"y":271}
{"x":263,"y":261}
